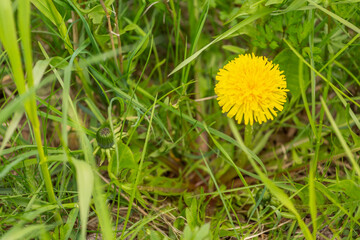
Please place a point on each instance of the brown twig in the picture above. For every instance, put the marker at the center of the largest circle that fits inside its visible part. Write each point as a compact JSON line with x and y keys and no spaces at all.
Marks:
{"x":75,"y":31}
{"x":119,"y":43}
{"x":111,"y":36}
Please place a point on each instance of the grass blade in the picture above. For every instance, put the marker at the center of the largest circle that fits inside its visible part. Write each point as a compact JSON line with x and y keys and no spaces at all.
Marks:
{"x":85,"y":183}
{"x":252,"y":18}
{"x":341,"y":138}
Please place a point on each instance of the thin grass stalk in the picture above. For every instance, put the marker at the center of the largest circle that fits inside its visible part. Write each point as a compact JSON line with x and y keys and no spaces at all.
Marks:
{"x":312,"y":73}
{"x":313,"y":162}
{"x":303,"y":95}
{"x":9,"y":40}
{"x":119,"y":43}
{"x":243,"y":160}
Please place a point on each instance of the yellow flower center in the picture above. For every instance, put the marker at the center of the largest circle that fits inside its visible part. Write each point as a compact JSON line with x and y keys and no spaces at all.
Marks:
{"x":252,"y":88}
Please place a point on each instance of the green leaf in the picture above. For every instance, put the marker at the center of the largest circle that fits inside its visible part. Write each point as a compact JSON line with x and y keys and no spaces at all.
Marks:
{"x":44,"y":9}
{"x":234,"y":49}
{"x":271,"y":2}
{"x":203,"y":232}
{"x":289,"y":62}
{"x":58,"y":62}
{"x":10,"y":129}
{"x":349,"y":187}
{"x":85,"y":183}
{"x":70,"y":222}
{"x":273,"y":45}
{"x":23,"y":233}
{"x":39,"y":70}
{"x":96,"y":14}
{"x":191,"y":214}
{"x":8,"y":38}
{"x":124,"y":159}
{"x":47,"y":7}
{"x":129,"y":27}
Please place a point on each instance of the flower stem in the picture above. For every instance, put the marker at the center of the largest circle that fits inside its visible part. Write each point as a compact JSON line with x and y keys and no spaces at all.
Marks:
{"x":44,"y":169}
{"x":241,"y":162}
{"x":248,"y":136}
{"x":248,"y":143}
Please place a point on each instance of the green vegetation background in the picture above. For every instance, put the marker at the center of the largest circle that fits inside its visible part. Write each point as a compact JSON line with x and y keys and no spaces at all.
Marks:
{"x":179,"y":168}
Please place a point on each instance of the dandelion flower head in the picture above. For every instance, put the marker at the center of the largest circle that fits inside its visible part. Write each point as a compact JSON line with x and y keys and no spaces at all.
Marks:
{"x":251,"y":88}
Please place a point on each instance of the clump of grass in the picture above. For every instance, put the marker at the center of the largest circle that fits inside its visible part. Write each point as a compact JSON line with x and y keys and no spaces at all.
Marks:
{"x":176,"y":168}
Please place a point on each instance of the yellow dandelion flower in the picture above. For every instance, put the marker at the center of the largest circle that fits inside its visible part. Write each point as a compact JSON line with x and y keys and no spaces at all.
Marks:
{"x":252,"y":88}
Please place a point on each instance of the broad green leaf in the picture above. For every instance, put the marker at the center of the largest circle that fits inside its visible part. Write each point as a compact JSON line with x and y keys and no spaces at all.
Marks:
{"x":204,"y":232}
{"x":191,"y":214}
{"x":295,"y":5}
{"x":24,"y":31}
{"x":337,"y":90}
{"x":96,"y":14}
{"x":39,"y":70}
{"x":125,"y":159}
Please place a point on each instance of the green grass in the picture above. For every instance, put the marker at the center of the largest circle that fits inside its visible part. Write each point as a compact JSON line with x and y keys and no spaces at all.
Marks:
{"x":180,"y":169}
